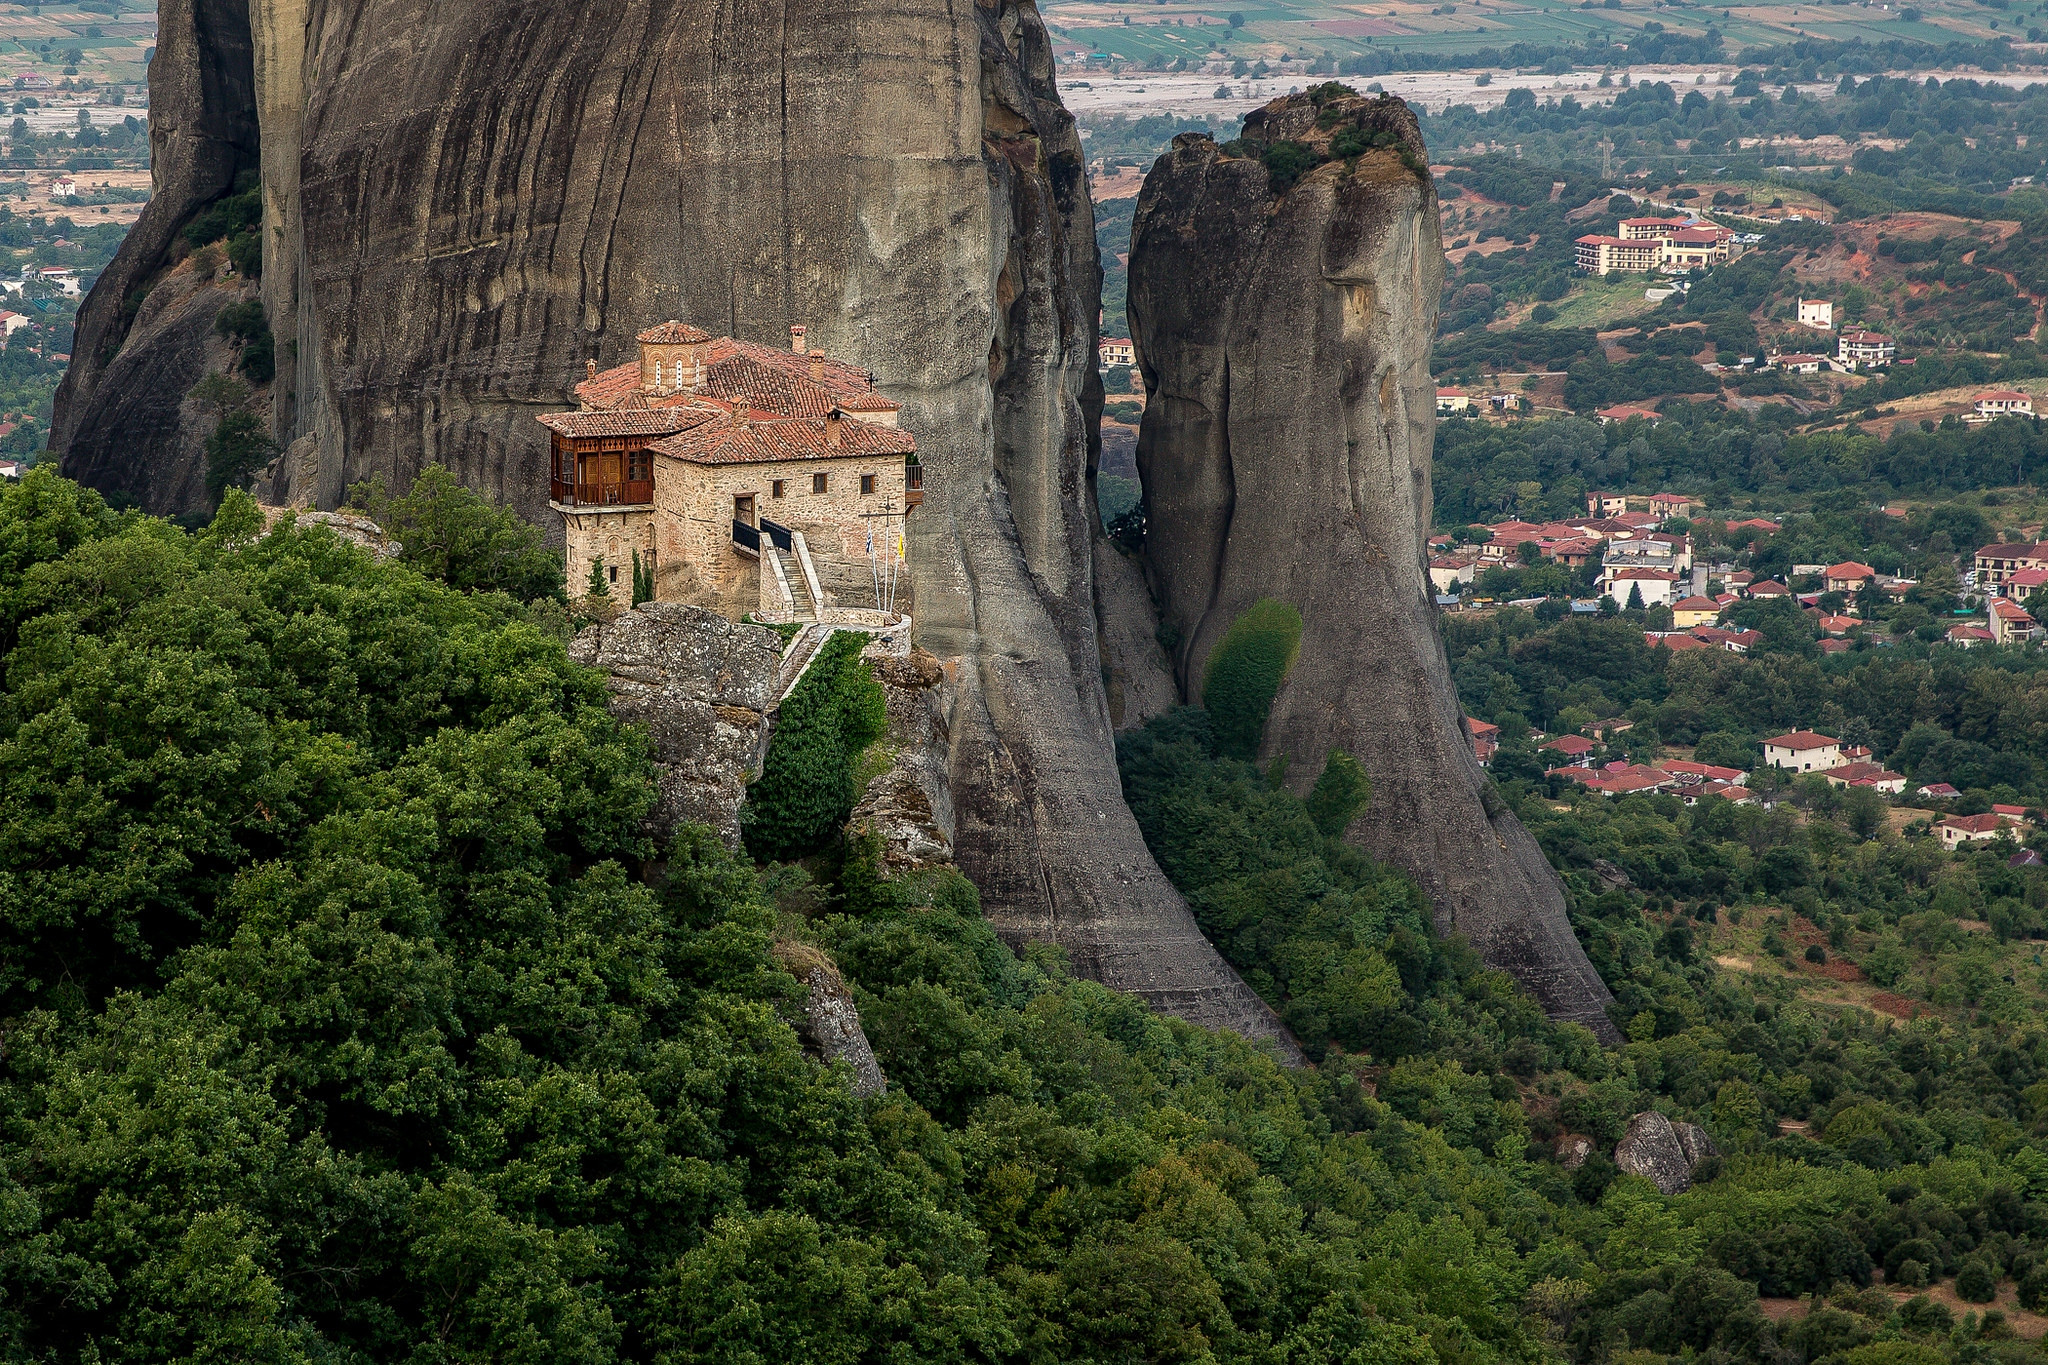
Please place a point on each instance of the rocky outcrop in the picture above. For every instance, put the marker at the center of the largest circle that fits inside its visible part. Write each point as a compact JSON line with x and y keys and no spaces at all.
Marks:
{"x":1284,"y":339}
{"x":1663,"y":1152}
{"x":909,"y":806}
{"x":468,"y":200}
{"x":700,"y":685}
{"x":118,"y":419}
{"x":146,"y":441}
{"x":831,"y":1025}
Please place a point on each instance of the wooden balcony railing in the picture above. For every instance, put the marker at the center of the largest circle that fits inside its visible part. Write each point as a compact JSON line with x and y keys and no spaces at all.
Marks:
{"x":632,"y":493}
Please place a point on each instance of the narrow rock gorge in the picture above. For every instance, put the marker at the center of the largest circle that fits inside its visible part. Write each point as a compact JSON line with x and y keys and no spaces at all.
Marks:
{"x":1283,"y":298}
{"x":465,"y":202}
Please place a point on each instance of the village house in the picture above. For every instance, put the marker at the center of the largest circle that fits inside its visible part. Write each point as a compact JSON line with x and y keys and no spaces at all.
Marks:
{"x":1689,"y":612}
{"x":1817,"y":313}
{"x":1803,"y":751}
{"x":1996,"y":563}
{"x":1485,"y":739}
{"x":1450,"y":401}
{"x":708,"y":458}
{"x":1449,"y":572}
{"x":1600,"y":504}
{"x":1937,"y":791}
{"x":1859,"y":349}
{"x":1969,"y":637}
{"x":1799,"y":363}
{"x":2001,"y":403}
{"x":1655,"y":587}
{"x":1765,"y":589}
{"x":1577,"y":749}
{"x":2009,"y":622}
{"x":1848,"y":576}
{"x":1115,"y":351}
{"x":1871,"y":775}
{"x":1595,"y":254}
{"x":2022,"y":585}
{"x":1956,"y":830}
{"x":1668,"y":505}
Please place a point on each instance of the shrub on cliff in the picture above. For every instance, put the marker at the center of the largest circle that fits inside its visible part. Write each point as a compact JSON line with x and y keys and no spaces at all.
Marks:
{"x":456,"y":535}
{"x":1245,"y":672}
{"x":807,"y":787}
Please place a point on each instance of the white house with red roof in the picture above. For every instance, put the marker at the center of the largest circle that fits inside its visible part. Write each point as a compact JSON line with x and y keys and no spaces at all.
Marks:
{"x":1449,"y":401}
{"x":2002,"y":403}
{"x":1803,"y":751}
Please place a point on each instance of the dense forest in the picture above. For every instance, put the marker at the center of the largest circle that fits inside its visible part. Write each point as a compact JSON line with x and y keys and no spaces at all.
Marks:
{"x":348,"y":1015}
{"x":1535,"y":469}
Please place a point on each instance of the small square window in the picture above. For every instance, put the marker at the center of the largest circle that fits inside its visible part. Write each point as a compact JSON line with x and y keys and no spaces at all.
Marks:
{"x":818,"y":483}
{"x":867,"y":485}
{"x":775,"y":489}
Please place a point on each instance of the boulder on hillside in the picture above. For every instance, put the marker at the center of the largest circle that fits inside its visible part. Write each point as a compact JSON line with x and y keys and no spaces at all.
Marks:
{"x":1663,"y":1152}
{"x":700,"y":685}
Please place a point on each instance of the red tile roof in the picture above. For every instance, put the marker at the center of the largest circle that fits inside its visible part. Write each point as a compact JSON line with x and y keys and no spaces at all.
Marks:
{"x":774,"y":439}
{"x":643,"y":422}
{"x":1975,"y":824}
{"x":1568,"y":744}
{"x":1800,"y":740}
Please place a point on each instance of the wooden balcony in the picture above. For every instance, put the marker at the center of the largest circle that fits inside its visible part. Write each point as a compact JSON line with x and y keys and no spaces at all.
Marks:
{"x":913,"y":485}
{"x":631,"y":493}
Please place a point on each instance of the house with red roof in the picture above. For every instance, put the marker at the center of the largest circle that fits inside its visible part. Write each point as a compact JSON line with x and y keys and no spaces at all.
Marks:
{"x":1872,"y":775}
{"x":2023,"y":583}
{"x":2010,"y":623}
{"x":1803,"y":751}
{"x":1485,"y":739}
{"x":1969,"y":637}
{"x":707,"y":457}
{"x":1847,"y":577}
{"x":1576,"y":748}
{"x":1997,"y":403}
{"x":1688,"y":612}
{"x":1957,"y":830}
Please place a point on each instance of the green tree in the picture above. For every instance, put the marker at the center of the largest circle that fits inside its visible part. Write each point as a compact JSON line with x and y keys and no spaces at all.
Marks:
{"x":807,"y":787}
{"x":454,"y":534}
{"x":1245,"y":671}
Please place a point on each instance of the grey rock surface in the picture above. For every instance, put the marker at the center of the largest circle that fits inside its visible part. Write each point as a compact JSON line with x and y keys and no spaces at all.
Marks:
{"x":117,"y":416}
{"x":834,"y":1030}
{"x":1285,"y":345}
{"x":147,"y":438}
{"x":700,"y":686}
{"x":1662,"y":1152}
{"x":909,"y":807}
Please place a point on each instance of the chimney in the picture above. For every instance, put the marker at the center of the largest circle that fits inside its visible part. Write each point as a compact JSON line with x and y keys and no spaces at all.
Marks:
{"x":833,"y":434}
{"x":817,"y":367}
{"x":590,"y":369}
{"x":796,"y":339}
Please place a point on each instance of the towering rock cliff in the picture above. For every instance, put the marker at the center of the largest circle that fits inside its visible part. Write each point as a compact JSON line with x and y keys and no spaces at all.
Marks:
{"x":465,"y":201}
{"x":1284,"y":327}
{"x":121,"y":418}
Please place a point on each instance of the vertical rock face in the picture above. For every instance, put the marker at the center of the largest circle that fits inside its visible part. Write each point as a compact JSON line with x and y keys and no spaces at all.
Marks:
{"x":118,"y":420}
{"x":468,"y":200}
{"x":1284,"y":338}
